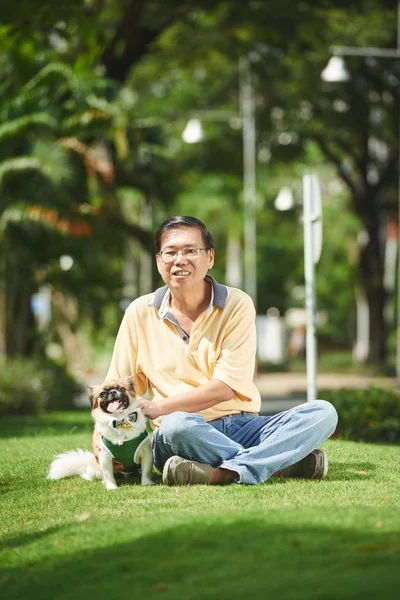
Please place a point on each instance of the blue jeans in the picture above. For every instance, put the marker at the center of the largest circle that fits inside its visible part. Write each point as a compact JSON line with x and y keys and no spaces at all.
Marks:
{"x":253,"y":446}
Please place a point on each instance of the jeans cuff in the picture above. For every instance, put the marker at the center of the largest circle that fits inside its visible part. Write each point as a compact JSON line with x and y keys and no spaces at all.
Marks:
{"x":239,"y":470}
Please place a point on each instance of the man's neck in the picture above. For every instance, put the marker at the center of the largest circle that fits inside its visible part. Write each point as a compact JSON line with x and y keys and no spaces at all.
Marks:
{"x":191,"y":303}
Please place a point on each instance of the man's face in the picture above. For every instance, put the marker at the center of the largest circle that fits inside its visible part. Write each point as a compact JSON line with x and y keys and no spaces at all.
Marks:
{"x":184,"y":272}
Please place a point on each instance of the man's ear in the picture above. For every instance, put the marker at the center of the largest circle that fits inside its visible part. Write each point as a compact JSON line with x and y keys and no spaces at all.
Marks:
{"x":159,"y":264}
{"x":211,"y":258}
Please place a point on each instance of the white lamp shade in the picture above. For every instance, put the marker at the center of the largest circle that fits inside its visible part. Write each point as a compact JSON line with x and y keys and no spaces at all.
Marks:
{"x":335,"y":70}
{"x":284,"y":200}
{"x":193,"y":132}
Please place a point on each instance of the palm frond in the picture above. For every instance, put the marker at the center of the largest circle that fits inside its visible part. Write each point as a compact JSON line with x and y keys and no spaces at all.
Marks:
{"x":49,"y":71}
{"x":35,"y":91}
{"x":84,"y":119}
{"x":19,"y":125}
{"x":16,"y":166}
{"x":47,"y":218}
{"x":47,"y":158}
{"x":53,"y":159}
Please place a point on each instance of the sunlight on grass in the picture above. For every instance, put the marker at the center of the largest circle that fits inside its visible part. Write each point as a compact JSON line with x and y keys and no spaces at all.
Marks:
{"x":338,"y":538}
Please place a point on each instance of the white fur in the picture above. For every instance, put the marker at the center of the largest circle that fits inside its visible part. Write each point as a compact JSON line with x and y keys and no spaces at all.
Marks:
{"x":68,"y":464}
{"x":82,"y":462}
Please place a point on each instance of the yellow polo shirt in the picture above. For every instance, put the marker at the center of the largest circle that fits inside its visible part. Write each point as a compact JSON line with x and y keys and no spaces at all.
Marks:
{"x":165,"y":362}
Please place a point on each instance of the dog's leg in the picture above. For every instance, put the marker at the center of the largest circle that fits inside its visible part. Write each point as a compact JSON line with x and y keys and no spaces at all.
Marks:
{"x":146,"y":463}
{"x":92,"y":472}
{"x":106,"y":466}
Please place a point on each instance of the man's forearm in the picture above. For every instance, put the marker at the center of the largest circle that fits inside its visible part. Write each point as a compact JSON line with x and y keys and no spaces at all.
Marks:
{"x":203,"y":397}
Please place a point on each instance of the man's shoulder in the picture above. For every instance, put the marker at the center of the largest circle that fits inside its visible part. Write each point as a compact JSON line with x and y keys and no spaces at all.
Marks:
{"x":236,"y":295}
{"x":239,"y":303}
{"x":142,"y":303}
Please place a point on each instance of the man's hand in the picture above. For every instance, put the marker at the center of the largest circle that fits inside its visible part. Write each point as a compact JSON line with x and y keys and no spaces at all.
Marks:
{"x":96,"y":445}
{"x":152,"y":410}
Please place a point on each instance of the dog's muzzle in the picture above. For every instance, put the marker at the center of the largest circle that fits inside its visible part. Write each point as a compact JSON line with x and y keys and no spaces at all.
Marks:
{"x":114,"y":396}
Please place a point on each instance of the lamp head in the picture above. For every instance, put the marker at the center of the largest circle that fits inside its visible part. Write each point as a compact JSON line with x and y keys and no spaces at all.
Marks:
{"x":335,"y":70}
{"x":193,"y":132}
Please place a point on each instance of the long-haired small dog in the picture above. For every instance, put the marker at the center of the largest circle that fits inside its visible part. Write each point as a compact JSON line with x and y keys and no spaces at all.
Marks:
{"x":117,"y":416}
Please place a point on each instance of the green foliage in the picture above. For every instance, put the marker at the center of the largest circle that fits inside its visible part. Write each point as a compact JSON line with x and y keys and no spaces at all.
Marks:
{"x":32,"y":386}
{"x":336,"y":272}
{"x":63,"y":97}
{"x":371,"y":415}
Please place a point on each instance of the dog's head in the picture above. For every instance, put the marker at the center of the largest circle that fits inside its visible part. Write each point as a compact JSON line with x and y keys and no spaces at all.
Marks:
{"x":113,"y":395}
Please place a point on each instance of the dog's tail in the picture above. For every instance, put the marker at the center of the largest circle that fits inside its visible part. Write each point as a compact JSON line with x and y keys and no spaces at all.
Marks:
{"x":74,"y":462}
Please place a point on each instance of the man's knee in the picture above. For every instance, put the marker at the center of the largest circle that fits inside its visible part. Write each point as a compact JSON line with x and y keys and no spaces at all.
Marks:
{"x":177,"y":425}
{"x":327,"y":414}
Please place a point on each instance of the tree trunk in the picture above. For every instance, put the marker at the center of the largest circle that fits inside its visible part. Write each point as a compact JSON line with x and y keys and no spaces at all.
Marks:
{"x":19,"y":291}
{"x":372,"y":272}
{"x":3,"y":317}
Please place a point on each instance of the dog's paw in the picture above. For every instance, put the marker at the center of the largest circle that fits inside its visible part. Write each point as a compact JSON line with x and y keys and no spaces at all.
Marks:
{"x":111,"y":486}
{"x":147,"y":481}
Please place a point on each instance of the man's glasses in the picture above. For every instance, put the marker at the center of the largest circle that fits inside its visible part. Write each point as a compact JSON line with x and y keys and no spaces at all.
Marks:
{"x":168,"y":256}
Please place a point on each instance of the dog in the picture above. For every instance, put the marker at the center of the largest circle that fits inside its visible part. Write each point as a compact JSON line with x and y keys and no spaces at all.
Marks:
{"x":117,"y":416}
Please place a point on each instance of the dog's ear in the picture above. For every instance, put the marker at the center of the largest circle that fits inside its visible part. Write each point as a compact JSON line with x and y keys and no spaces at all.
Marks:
{"x":130,"y":384}
{"x":92,"y":395}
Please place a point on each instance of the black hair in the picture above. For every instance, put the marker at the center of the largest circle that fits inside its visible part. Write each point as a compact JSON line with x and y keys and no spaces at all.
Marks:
{"x":179,"y":222}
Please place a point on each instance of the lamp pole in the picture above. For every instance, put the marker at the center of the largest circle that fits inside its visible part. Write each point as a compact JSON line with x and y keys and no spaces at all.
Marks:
{"x":339,"y":51}
{"x":249,"y":178}
{"x":193,"y":133}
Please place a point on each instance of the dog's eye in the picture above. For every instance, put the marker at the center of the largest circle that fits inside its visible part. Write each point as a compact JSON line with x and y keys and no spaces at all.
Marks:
{"x":122,"y":389}
{"x":102,"y":394}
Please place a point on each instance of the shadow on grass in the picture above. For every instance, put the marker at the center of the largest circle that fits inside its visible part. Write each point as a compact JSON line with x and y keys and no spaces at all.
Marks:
{"x":135,"y":478}
{"x":48,"y":424}
{"x":246,"y":559}
{"x":28,"y":538}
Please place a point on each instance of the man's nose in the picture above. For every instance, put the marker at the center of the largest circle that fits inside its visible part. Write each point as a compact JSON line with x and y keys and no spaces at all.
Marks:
{"x":179,"y":257}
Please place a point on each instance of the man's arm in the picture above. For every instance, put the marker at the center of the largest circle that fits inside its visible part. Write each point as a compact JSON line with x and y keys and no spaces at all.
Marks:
{"x":200,"y":398}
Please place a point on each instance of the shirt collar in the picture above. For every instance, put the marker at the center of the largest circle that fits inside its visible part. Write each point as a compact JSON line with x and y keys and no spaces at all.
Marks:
{"x":161,"y":297}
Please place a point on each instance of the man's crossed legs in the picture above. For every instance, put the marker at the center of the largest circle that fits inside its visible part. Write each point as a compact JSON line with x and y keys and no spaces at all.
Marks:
{"x":244,"y":448}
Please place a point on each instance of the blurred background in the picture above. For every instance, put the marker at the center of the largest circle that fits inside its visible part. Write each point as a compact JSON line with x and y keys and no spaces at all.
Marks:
{"x":116,"y":115}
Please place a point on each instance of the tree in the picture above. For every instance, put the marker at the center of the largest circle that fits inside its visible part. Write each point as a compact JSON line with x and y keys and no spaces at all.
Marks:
{"x":354,"y":125}
{"x":174,"y":56}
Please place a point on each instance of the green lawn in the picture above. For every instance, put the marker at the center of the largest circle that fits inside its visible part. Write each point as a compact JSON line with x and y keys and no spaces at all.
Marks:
{"x":286,"y":539}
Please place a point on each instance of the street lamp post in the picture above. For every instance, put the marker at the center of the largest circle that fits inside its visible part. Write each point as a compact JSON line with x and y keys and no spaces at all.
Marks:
{"x":336,"y":71}
{"x":249,"y":179}
{"x":193,"y":133}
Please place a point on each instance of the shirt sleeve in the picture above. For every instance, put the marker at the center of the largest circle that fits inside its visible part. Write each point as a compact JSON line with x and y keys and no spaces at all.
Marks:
{"x":124,"y":361}
{"x":236,"y":362}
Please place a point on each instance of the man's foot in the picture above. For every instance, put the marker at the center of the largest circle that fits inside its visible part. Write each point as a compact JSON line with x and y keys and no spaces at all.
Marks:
{"x":313,"y":466}
{"x":179,"y":471}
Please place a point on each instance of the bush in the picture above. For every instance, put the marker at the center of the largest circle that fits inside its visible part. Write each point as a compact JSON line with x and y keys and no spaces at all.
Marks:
{"x":371,"y":415}
{"x":31,"y":386}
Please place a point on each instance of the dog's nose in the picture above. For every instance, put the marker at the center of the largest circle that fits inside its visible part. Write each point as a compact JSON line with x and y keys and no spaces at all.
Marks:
{"x":113,"y":393}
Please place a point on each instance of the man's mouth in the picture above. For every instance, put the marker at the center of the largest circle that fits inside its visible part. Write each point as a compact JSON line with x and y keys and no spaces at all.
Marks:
{"x":181,"y":273}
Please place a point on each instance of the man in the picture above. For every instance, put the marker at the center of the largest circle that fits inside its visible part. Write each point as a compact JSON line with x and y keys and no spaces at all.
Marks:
{"x":192,"y":346}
